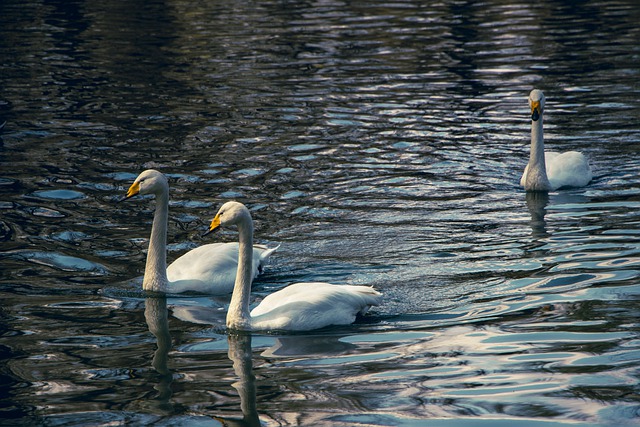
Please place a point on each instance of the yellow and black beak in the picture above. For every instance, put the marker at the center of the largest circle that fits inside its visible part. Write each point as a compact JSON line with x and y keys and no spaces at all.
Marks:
{"x":215,"y":224}
{"x":536,"y":111}
{"x":133,"y":190}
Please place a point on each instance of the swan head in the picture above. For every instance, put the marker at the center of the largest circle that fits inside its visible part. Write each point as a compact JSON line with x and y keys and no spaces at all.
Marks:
{"x":231,"y":213}
{"x":536,"y":102}
{"x":148,"y":182}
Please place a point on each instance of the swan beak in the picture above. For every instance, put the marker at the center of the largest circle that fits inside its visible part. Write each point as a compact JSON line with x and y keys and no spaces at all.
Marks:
{"x":215,"y":224}
{"x":535,"y":110}
{"x":133,"y":190}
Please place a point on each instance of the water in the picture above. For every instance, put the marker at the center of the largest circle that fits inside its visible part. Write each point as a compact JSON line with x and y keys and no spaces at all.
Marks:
{"x":379,"y":143}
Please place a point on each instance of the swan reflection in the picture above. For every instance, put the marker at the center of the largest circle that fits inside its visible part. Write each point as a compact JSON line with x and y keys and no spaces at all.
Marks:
{"x":299,"y":345}
{"x":537,"y":202}
{"x":156,"y":315}
{"x":240,"y":355}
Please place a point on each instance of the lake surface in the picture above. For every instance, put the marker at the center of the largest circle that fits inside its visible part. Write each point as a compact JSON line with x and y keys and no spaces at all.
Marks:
{"x":379,"y":143}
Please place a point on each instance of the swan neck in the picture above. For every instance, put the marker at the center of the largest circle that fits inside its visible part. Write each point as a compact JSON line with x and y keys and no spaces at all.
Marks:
{"x":238,"y":316}
{"x":155,"y":273}
{"x":537,"y":144}
{"x":536,"y":179}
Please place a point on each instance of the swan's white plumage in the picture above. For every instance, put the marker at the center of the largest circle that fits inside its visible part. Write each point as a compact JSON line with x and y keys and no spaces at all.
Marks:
{"x":550,"y":170}
{"x":212,"y":268}
{"x":313,"y":305}
{"x":207,"y":269}
{"x":297,"y":307}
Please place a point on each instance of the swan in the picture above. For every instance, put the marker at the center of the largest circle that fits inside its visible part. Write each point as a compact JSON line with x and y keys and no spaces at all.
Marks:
{"x":209,"y":269}
{"x":297,"y":307}
{"x":547,"y":171}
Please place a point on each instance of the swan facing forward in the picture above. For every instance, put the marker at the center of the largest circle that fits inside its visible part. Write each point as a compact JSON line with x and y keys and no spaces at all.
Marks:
{"x":547,"y":171}
{"x":297,"y":307}
{"x":209,"y":269}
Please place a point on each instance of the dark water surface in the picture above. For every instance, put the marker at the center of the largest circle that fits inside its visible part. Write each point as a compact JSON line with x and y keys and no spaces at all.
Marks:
{"x":380,"y":143}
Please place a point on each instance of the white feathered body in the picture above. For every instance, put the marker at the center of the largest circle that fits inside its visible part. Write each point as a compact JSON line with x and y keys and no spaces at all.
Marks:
{"x":569,"y":169}
{"x":313,"y":305}
{"x":211,"y":268}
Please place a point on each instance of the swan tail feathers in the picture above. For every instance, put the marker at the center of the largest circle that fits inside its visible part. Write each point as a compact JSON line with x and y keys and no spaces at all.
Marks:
{"x":266,"y":251}
{"x":371,"y":298}
{"x":263,"y":253}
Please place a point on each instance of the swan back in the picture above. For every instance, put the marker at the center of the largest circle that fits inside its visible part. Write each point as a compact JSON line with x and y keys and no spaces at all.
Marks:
{"x":212,"y":268}
{"x":313,"y":305}
{"x":569,"y":169}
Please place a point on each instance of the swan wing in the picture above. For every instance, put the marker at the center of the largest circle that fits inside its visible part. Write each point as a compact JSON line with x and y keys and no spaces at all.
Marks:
{"x":523,"y":180}
{"x":212,"y":268}
{"x":260,"y":255}
{"x":570,"y":169}
{"x":314,"y":305}
{"x":550,"y":156}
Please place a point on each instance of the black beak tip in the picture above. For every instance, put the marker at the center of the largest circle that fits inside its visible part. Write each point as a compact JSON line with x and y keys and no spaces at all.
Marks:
{"x":535,"y":115}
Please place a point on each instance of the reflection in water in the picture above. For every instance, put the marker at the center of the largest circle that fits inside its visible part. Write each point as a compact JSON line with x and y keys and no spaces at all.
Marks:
{"x":209,"y":310}
{"x":536,"y":203}
{"x":156,"y":315}
{"x":305,"y":345}
{"x":240,"y":355}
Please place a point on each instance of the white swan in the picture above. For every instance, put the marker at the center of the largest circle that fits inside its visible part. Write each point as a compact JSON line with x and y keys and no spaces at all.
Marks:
{"x":209,"y":269}
{"x":298,"y":307}
{"x":547,"y":171}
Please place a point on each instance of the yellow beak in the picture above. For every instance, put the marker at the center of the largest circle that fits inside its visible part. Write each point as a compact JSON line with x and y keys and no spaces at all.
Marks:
{"x":215,"y":223}
{"x":535,"y":105}
{"x":536,"y":111}
{"x":133,"y":190}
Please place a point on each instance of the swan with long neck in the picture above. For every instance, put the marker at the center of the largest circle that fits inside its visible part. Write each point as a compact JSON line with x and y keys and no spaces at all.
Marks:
{"x":209,"y":269}
{"x":297,"y":307}
{"x":548,"y":171}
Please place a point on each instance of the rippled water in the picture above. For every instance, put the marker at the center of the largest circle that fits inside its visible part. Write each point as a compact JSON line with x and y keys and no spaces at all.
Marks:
{"x":379,"y":143}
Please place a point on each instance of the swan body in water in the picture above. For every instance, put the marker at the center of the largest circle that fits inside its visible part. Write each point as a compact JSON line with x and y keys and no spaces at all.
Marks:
{"x":297,"y":307}
{"x":209,"y":269}
{"x":548,"y":171}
